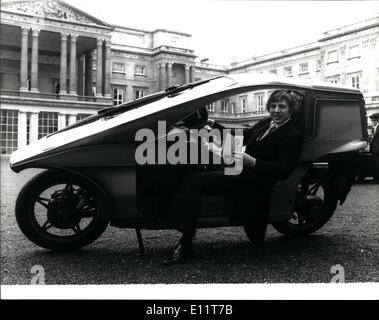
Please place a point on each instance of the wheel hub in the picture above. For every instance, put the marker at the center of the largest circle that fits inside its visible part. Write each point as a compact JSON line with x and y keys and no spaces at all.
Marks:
{"x":62,"y":212}
{"x":313,"y":207}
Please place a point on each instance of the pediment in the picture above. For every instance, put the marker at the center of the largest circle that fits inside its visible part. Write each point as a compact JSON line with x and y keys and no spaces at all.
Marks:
{"x":52,"y":9}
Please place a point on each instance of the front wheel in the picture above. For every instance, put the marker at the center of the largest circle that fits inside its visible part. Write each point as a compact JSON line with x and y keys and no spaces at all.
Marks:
{"x":315,"y":204}
{"x":61,"y":211}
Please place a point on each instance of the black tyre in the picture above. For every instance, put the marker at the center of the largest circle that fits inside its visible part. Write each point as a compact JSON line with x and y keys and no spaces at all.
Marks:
{"x":61,"y":211}
{"x":315,"y":204}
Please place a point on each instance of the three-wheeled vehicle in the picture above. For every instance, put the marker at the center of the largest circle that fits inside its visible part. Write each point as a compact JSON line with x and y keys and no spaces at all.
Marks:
{"x":93,"y":178}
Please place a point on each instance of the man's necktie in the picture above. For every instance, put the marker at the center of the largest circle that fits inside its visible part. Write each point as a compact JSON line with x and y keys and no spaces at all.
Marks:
{"x":271,"y":128}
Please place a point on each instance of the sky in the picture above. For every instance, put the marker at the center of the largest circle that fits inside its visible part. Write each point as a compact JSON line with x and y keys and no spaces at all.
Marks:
{"x":229,"y":30}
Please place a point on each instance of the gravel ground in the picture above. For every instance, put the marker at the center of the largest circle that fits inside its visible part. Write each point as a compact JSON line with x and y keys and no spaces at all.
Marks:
{"x":224,"y":255}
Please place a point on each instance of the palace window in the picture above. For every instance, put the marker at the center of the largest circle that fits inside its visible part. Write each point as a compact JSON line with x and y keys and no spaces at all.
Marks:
{"x":259,"y":98}
{"x":140,"y":70}
{"x":318,"y":64}
{"x":273,"y":71}
{"x":333,"y":79}
{"x":47,"y":123}
{"x":224,"y":106}
{"x":28,"y":127}
{"x":243,"y":104}
{"x":354,"y":52}
{"x":211,"y":107}
{"x":139,"y":92}
{"x":118,"y":96}
{"x":355,"y":81}
{"x":233,"y":107}
{"x":303,"y":67}
{"x":9,"y":131}
{"x":118,"y":67}
{"x":288,"y":71}
{"x":332,"y":56}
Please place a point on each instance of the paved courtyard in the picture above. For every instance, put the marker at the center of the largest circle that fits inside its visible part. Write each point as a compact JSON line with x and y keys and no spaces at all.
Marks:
{"x":224,"y":255}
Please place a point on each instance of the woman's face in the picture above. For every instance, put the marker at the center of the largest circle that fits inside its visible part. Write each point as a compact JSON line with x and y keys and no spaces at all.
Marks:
{"x":279,"y":111}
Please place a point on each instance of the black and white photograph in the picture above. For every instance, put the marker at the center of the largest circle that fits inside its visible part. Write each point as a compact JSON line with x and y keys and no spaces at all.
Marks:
{"x":224,"y":150}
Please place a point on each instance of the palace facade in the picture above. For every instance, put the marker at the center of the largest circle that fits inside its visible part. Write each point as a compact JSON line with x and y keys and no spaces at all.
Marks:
{"x":59,"y":64}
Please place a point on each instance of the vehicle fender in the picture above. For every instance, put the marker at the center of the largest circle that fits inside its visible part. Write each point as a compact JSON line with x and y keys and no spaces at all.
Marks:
{"x":284,"y":194}
{"x":340,"y":176}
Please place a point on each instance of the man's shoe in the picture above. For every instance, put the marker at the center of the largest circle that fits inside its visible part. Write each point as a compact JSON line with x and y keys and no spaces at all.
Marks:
{"x":181,"y":254}
{"x":256,"y":233}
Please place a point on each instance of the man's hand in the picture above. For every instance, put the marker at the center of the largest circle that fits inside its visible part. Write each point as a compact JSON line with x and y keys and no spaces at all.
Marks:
{"x":248,"y":161}
{"x":212,"y":147}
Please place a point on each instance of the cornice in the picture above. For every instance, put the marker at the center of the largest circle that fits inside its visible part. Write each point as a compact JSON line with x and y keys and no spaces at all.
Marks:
{"x":10,"y":15}
{"x":347,"y":32}
{"x":286,"y":55}
{"x":52,"y":102}
{"x":181,"y":54}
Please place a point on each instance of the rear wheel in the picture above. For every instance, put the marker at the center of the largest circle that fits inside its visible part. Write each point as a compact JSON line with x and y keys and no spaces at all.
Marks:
{"x":60,"y":211}
{"x":315,"y":204}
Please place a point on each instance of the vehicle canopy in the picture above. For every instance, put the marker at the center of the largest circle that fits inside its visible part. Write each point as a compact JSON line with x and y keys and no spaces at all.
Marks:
{"x":330,"y":111}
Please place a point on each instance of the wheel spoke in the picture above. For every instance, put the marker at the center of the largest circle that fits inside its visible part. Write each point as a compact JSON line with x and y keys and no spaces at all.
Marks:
{"x":47,"y":225}
{"x":313,"y":189}
{"x":300,"y":220}
{"x":77,"y":229}
{"x":41,"y":200}
{"x":68,"y":188}
{"x":88,"y":213}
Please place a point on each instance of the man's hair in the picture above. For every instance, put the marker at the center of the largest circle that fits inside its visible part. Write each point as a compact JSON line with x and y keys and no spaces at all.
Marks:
{"x":287,"y":96}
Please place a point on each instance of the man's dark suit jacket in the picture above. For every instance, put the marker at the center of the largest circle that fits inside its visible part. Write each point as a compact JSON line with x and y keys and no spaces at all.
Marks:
{"x":276,"y":154}
{"x":374,"y":144}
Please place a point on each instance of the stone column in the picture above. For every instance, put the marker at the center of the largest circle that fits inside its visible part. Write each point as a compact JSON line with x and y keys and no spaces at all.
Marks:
{"x":130,"y":95}
{"x":21,"y":129}
{"x":169,"y":74}
{"x":61,"y":121}
{"x":81,"y":76}
{"x":24,"y":59}
{"x":63,"y":77}
{"x":73,"y":64}
{"x":186,"y":74}
{"x":192,"y":74}
{"x":322,"y":61}
{"x":107,"y":75}
{"x":33,"y":133}
{"x":162,"y":76}
{"x":71,"y":119}
{"x":88,"y":74}
{"x":99,"y":68}
{"x":34,"y":68}
{"x":157,"y":70}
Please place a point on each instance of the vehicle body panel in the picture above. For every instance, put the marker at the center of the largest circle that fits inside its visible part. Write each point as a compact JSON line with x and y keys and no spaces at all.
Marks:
{"x":103,"y":148}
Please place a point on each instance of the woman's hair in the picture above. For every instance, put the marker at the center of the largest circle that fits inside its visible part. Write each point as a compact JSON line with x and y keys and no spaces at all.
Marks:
{"x":287,"y":96}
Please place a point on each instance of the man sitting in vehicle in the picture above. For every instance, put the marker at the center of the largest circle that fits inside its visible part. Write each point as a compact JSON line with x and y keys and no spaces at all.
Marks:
{"x":273,"y":148}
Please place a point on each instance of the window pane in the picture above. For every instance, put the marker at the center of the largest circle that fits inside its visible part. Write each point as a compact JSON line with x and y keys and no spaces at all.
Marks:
{"x":9,"y":131}
{"x":48,"y":123}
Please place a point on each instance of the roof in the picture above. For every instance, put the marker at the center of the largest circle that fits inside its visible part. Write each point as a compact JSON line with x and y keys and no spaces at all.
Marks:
{"x":258,"y":79}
